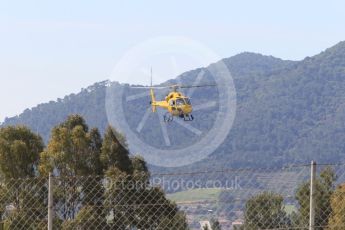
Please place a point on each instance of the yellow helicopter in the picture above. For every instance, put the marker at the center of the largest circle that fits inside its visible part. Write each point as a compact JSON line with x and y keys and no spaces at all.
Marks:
{"x":176,"y":104}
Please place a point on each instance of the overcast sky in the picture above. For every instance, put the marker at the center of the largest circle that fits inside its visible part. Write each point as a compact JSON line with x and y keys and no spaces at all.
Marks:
{"x":52,"y":48}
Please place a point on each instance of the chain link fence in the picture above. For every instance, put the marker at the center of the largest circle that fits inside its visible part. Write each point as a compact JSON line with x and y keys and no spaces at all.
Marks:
{"x":284,"y":198}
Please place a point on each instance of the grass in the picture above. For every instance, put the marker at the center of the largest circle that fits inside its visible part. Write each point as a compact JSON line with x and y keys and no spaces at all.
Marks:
{"x":289,"y":208}
{"x":209,"y":194}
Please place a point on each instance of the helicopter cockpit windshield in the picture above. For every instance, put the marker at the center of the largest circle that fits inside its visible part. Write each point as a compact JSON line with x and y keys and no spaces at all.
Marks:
{"x":180,"y":102}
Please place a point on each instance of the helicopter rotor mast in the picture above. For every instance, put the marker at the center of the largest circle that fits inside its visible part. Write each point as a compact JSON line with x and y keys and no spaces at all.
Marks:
{"x":151,"y":77}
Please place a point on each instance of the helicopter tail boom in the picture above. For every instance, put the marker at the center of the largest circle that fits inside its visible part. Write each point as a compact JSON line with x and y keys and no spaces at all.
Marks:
{"x":153,"y":100}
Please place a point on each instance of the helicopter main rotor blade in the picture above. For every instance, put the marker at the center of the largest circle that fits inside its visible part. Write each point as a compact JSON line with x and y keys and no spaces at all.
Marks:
{"x":196,"y":86}
{"x":164,"y":129}
{"x":150,"y":87}
{"x":204,"y":106}
{"x":173,"y":86}
{"x":196,"y":82}
{"x":143,"y":120}
{"x":189,"y":127}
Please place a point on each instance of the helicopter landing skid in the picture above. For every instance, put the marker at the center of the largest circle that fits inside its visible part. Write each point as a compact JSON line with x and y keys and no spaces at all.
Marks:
{"x":168,"y":117}
{"x":188,"y":117}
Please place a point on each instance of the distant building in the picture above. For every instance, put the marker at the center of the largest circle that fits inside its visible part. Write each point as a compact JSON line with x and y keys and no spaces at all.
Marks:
{"x":204,"y":224}
{"x":225,"y":223}
{"x":237,"y":224}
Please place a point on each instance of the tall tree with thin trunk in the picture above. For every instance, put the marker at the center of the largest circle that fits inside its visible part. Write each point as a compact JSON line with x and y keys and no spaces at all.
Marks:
{"x":114,"y":151}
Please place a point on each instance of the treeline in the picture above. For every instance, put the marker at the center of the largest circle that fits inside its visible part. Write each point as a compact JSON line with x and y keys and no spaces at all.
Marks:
{"x":82,"y":162}
{"x":267,"y":210}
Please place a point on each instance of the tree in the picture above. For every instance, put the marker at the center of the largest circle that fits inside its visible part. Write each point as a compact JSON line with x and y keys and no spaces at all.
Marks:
{"x":130,"y":198}
{"x":265,"y":211}
{"x":95,"y":145}
{"x":89,"y":217}
{"x":205,"y":227}
{"x":74,"y":151}
{"x":100,"y":185}
{"x":140,"y":170}
{"x":178,"y":221}
{"x":19,"y":152}
{"x":114,"y":151}
{"x":28,"y":199}
{"x":134,"y":203}
{"x":19,"y":156}
{"x":324,"y":189}
{"x":215,"y":225}
{"x":74,"y":121}
{"x":337,"y":218}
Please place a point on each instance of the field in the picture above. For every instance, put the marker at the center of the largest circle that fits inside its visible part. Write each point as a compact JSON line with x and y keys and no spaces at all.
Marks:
{"x":195,"y":195}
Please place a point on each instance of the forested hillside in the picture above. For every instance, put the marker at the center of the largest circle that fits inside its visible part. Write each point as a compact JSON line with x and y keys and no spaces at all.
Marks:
{"x":287,"y":111}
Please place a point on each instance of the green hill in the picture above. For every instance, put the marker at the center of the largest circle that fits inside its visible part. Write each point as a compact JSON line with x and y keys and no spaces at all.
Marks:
{"x":287,"y":111}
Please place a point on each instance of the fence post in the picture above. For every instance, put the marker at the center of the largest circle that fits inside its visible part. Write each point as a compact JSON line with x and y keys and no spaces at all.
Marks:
{"x":50,"y":202}
{"x":312,"y":195}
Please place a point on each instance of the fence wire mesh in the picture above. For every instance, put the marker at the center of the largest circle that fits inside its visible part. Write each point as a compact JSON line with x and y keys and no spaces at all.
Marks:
{"x":24,"y":203}
{"x":224,"y":199}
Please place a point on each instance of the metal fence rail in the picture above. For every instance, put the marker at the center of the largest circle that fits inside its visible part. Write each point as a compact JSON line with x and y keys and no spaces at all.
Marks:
{"x":295,"y":197}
